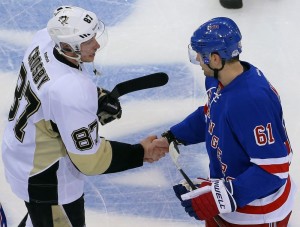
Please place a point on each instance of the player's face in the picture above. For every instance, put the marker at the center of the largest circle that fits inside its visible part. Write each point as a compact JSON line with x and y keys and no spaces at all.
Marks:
{"x":88,"y":50}
{"x":206,"y":70}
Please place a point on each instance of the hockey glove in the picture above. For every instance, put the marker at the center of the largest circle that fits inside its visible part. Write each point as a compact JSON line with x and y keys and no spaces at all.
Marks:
{"x":109,"y":108}
{"x":183,"y":187}
{"x":209,"y":200}
{"x":170,"y":137}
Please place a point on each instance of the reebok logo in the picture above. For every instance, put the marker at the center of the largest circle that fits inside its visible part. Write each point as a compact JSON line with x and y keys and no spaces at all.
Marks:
{"x":112,"y":106}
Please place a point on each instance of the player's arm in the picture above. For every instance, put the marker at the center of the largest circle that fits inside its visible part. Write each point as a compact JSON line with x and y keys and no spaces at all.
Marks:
{"x":255,"y":183}
{"x":189,"y":131}
{"x":109,"y":157}
{"x":113,"y":156}
{"x":74,"y":112}
{"x":193,"y":128}
{"x":92,"y":154}
{"x":264,"y":139}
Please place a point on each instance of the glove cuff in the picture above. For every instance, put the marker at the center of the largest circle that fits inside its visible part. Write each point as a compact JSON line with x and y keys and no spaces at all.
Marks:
{"x":223,"y":196}
{"x":170,"y":137}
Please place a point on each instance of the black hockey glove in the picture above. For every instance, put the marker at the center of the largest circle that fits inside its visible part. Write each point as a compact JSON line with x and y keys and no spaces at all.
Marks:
{"x":109,"y":108}
{"x":170,"y":137}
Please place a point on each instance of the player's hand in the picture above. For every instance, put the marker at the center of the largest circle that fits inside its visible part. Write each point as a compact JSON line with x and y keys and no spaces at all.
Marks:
{"x":169,"y":136}
{"x":183,"y":187}
{"x":210,"y":199}
{"x":109,"y":108}
{"x":154,"y":149}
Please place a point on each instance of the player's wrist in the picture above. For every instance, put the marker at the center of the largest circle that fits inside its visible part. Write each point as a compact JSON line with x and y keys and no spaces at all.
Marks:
{"x":170,"y":137}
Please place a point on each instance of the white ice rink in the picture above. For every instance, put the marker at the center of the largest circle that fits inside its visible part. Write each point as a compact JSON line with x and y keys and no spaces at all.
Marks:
{"x":147,"y":36}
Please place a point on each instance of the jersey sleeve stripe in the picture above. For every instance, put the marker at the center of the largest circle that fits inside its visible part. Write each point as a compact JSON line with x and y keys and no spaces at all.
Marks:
{"x":270,"y":161}
{"x":264,"y":207}
{"x":276,"y":168}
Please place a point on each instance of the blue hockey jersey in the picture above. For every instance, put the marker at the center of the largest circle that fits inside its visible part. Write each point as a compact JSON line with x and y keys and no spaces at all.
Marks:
{"x":246,"y":141}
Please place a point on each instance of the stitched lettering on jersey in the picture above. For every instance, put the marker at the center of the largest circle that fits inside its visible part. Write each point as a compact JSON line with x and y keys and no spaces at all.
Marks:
{"x":223,"y":165}
{"x":211,"y":127}
{"x":215,"y":144}
{"x":37,"y":69}
{"x":23,"y":89}
{"x":214,"y":141}
{"x":263,"y":135}
{"x":83,"y":137}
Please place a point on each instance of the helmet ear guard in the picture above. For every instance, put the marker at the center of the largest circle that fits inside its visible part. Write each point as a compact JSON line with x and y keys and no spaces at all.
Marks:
{"x":64,"y":47}
{"x":219,"y":35}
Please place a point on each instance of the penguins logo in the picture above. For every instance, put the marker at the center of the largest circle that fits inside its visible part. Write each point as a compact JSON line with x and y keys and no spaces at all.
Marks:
{"x":63,"y":20}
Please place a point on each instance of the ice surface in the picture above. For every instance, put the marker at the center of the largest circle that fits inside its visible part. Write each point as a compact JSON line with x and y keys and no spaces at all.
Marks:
{"x":145,"y":37}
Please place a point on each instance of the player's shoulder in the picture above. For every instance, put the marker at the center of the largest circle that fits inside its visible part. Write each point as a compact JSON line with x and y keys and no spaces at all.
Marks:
{"x":43,"y":33}
{"x":250,"y":88}
{"x":251,"y":82}
{"x":41,"y":38}
{"x":258,"y":85}
{"x":72,"y":86}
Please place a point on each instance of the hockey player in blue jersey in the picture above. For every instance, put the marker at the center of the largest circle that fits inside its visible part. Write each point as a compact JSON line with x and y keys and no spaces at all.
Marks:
{"x":246,"y":139}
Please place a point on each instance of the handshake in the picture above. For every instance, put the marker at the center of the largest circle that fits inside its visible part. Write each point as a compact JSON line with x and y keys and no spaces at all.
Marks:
{"x":109,"y":109}
{"x":154,"y":149}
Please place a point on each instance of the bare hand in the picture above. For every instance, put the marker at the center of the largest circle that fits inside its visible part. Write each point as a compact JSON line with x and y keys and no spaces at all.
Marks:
{"x":154,"y":149}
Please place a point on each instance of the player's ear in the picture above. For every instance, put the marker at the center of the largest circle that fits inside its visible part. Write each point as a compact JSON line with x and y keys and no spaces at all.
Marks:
{"x":66,"y":47}
{"x":215,"y":59}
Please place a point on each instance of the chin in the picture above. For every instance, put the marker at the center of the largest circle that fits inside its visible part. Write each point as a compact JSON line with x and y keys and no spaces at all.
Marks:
{"x":88,"y":60}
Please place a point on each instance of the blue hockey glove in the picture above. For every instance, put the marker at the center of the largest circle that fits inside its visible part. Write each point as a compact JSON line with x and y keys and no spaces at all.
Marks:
{"x":183,"y":187}
{"x":170,"y":137}
{"x":179,"y":190}
{"x":209,"y":200}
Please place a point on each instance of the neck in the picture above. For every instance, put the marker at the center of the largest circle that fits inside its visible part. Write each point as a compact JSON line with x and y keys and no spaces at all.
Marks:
{"x":73,"y":61}
{"x":71,"y":57}
{"x":230,"y":72}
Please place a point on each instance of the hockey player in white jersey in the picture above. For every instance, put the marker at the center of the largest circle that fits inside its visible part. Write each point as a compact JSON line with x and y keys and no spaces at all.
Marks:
{"x":51,"y":140}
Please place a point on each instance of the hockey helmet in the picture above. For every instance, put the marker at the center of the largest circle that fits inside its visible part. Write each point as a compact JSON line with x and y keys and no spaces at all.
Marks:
{"x":219,"y":35}
{"x":73,"y":26}
{"x":56,"y":11}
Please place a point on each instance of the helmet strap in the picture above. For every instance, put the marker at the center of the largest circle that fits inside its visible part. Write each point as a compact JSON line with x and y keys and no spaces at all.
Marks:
{"x":78,"y":58}
{"x":95,"y":71}
{"x":216,"y":71}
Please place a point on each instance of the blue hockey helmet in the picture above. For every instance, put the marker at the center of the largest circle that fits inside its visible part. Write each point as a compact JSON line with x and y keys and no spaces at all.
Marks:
{"x":219,"y":35}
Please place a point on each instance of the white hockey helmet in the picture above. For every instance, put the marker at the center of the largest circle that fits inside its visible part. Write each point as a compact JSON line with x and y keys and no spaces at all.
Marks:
{"x":73,"y":25}
{"x":56,"y":11}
